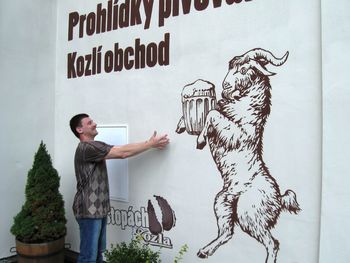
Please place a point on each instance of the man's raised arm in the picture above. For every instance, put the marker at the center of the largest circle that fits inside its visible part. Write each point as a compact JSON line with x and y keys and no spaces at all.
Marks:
{"x":132,"y":149}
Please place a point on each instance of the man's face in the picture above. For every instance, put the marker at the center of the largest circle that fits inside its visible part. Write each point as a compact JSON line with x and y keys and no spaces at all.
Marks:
{"x":88,"y":128}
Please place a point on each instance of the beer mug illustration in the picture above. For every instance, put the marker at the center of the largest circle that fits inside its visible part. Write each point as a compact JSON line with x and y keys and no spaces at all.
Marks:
{"x":198,"y":98}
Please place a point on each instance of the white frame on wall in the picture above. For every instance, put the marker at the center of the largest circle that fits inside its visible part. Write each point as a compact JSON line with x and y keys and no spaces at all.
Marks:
{"x":116,"y":134}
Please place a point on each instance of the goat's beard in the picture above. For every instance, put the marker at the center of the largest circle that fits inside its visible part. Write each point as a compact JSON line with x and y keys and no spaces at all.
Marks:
{"x":235,"y":94}
{"x":240,"y":88}
{"x":221,"y":103}
{"x":226,"y":107}
{"x":229,"y":96}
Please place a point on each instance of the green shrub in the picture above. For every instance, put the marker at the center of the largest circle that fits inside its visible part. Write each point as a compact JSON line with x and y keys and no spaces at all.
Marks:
{"x":134,"y":252}
{"x":42,"y":217}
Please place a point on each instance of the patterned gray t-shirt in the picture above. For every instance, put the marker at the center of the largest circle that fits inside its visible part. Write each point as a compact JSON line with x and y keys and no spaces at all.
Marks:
{"x":92,"y":197}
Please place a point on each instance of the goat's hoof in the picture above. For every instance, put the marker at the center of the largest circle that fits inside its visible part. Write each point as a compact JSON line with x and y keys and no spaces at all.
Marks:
{"x":180,"y":129}
{"x":200,"y":145}
{"x":201,"y":254}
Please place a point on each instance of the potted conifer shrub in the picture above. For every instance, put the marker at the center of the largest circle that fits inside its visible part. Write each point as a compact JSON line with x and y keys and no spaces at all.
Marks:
{"x":40,"y":226}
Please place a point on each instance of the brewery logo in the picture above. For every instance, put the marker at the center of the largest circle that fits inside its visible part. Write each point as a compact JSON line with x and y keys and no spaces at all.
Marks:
{"x":233,"y":127}
{"x":159,"y":240}
{"x":149,"y":224}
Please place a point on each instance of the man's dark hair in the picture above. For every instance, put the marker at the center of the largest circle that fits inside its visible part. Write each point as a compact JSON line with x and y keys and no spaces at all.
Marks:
{"x":75,"y":122}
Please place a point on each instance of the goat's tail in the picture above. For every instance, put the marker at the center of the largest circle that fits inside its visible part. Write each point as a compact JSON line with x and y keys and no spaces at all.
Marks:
{"x":289,"y":202}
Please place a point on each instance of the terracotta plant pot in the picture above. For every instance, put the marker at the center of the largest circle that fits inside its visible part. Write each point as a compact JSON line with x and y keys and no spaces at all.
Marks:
{"x":50,"y":252}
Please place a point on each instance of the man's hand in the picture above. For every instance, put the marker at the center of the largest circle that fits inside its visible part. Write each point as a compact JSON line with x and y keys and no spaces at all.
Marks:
{"x":159,"y":142}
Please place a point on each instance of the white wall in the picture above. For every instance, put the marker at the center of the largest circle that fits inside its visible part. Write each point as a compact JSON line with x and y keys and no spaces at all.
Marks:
{"x":201,"y":45}
{"x":335,"y":227}
{"x":150,"y":99}
{"x":27,"y":74}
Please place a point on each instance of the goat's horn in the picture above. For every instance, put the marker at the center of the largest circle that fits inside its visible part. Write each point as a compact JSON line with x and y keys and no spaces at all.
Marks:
{"x":261,"y":68}
{"x":267,"y":56}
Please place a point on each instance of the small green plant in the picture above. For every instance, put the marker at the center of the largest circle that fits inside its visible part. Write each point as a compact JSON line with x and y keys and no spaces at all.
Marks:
{"x":42,"y":218}
{"x":181,"y":253}
{"x":134,"y":252}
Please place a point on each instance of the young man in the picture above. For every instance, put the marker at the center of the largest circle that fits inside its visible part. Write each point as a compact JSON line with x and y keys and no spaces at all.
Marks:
{"x":91,"y":202}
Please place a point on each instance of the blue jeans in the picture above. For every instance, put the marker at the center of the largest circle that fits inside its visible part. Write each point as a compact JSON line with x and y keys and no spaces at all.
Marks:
{"x":92,"y":239}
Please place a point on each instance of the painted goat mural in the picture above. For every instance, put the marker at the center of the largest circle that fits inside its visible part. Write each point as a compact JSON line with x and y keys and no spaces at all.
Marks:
{"x":233,"y":127}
